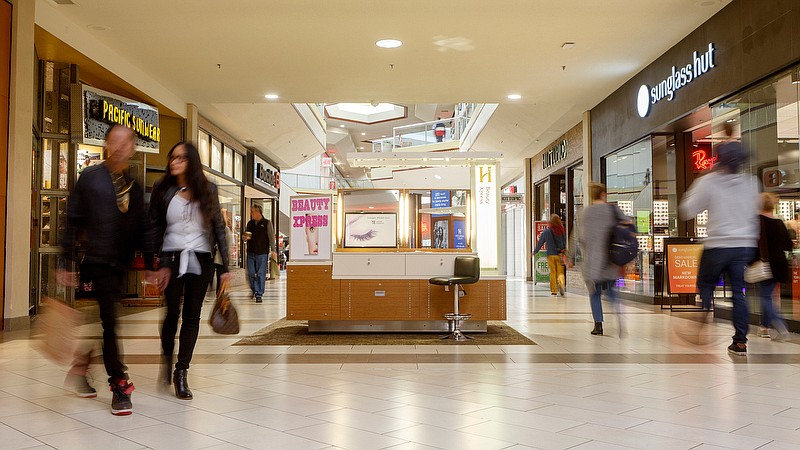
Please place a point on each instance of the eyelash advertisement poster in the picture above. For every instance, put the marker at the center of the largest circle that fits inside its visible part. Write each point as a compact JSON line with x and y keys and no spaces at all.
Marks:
{"x":370,"y":230}
{"x":312,"y":225}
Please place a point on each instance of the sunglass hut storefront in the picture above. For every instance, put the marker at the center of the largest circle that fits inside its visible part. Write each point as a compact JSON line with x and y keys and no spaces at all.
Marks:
{"x":655,"y":135}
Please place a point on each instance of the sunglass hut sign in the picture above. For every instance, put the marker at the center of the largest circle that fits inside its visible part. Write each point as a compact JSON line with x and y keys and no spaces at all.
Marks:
{"x":680,"y":77}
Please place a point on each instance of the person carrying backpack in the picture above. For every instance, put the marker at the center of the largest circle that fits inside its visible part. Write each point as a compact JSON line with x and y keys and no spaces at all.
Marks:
{"x":555,"y":238}
{"x":732,"y":201}
{"x":599,"y":220}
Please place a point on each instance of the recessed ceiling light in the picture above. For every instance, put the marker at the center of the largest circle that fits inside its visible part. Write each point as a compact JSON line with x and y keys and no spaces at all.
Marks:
{"x":361,"y":148}
{"x":342,"y":126}
{"x":363,"y":134}
{"x":96,"y":27}
{"x":271,"y":96}
{"x":389,"y":43}
{"x":437,"y":176}
{"x":514,"y":96}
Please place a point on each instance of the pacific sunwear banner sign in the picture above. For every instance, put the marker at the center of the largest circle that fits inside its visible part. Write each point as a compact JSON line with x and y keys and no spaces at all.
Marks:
{"x":102,"y":110}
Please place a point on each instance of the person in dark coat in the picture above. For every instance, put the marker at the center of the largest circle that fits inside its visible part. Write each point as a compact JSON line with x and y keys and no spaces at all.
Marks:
{"x":107,"y":206}
{"x":777,"y":242}
{"x":554,"y":237}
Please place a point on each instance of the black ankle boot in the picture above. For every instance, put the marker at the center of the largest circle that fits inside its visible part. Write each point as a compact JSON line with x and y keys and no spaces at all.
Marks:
{"x":182,"y":390}
{"x":598,"y":329}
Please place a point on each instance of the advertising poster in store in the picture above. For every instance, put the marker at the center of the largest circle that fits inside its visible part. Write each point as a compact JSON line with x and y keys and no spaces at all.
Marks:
{"x":459,"y":234}
{"x":366,"y":230}
{"x":643,"y":221}
{"x":440,"y":238}
{"x":540,"y":258}
{"x":440,"y":199}
{"x":425,"y":230}
{"x":682,"y":263}
{"x":312,"y":226}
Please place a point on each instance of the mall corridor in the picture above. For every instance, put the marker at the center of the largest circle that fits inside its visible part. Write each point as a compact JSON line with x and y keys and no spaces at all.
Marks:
{"x":648,"y":389}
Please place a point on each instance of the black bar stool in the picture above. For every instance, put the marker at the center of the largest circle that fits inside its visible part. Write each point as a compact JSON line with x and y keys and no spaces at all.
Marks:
{"x":467,"y":271}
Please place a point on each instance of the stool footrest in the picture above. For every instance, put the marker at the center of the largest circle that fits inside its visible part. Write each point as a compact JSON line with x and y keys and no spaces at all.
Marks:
{"x":454,"y":316}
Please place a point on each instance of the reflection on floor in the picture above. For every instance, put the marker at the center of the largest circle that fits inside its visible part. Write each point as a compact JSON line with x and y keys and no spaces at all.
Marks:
{"x":648,"y":389}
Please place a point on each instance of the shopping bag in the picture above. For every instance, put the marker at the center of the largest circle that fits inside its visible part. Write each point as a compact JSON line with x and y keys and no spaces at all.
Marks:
{"x":274,"y":269}
{"x":757,"y":272}
{"x":224,"y":319}
{"x":57,"y":325}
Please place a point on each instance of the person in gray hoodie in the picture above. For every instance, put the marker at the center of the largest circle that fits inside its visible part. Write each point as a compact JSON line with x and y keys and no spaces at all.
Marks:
{"x":731,"y":199}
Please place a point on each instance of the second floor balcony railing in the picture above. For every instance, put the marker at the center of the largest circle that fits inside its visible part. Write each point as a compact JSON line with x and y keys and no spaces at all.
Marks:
{"x":435,"y":131}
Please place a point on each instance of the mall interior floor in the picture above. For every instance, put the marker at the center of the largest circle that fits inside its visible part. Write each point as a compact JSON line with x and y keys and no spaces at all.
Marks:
{"x":648,"y":389}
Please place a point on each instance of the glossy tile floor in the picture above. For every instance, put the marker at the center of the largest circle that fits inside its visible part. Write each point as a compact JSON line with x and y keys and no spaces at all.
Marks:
{"x":648,"y":389}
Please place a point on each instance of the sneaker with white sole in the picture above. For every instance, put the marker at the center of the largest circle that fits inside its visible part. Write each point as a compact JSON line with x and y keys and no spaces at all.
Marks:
{"x":121,"y":398}
{"x":80,"y":385}
{"x":764,"y":332}
{"x":738,"y":349}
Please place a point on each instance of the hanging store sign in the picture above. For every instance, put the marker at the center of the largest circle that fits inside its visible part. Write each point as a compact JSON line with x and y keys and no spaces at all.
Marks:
{"x":102,"y":110}
{"x":266,"y":176}
{"x":680,"y":77}
{"x":555,"y":154}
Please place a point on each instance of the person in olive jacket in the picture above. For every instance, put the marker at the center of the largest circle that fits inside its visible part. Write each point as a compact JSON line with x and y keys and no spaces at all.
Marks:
{"x":777,"y":243}
{"x":188,"y":224}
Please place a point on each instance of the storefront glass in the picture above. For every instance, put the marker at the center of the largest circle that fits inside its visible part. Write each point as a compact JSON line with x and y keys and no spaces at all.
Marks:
{"x":542,"y":200}
{"x":576,"y":175}
{"x":765,"y":118}
{"x":628,"y":176}
{"x":230,"y":202}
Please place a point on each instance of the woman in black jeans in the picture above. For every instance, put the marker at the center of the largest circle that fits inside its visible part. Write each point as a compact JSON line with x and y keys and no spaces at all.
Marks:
{"x":187,"y":223}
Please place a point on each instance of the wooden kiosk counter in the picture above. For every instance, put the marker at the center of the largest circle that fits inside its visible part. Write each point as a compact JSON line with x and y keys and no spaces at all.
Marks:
{"x":361,"y":260}
{"x":387,"y":292}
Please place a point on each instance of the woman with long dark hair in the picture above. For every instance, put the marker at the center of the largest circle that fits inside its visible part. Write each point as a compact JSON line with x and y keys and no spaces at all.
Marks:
{"x":187,"y":223}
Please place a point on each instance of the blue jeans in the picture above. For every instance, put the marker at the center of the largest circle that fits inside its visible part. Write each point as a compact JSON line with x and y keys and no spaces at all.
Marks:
{"x":257,"y":271}
{"x":731,"y":261}
{"x":596,"y":296}
{"x":770,"y":318}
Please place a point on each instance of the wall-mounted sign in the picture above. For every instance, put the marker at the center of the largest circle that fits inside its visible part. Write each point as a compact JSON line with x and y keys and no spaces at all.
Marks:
{"x":310,"y":235}
{"x":555,"y":154}
{"x":680,"y":77}
{"x":702,"y":159}
{"x":440,"y":199}
{"x":102,"y":110}
{"x":512,"y":198}
{"x":486,"y":214}
{"x":265,"y":175}
{"x":777,"y":178}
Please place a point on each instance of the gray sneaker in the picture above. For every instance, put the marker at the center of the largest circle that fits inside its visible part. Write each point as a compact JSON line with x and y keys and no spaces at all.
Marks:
{"x":80,"y":385}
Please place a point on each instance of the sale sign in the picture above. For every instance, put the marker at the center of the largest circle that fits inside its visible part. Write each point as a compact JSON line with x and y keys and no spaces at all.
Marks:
{"x":541,"y":269}
{"x":683,"y":260}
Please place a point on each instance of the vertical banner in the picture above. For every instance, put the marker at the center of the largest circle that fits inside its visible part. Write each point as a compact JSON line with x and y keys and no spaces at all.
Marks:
{"x":312,"y":225}
{"x":541,"y":269}
{"x":486,"y":214}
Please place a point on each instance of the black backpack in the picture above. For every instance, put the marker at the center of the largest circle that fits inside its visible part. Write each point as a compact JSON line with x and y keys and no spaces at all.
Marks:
{"x":623,"y":245}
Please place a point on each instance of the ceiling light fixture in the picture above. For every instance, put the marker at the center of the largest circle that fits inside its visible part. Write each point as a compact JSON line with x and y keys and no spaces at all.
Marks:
{"x":437,"y":176}
{"x":95,"y":27}
{"x":514,"y":96}
{"x":271,"y":96}
{"x":341,"y":126}
{"x":389,"y":43}
{"x":363,"y":134}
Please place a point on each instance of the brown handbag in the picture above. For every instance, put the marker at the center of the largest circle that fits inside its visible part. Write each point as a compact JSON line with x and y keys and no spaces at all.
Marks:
{"x":224,"y":319}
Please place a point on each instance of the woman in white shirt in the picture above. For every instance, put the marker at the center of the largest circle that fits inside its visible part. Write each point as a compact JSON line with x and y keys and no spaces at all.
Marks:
{"x":187,"y":224}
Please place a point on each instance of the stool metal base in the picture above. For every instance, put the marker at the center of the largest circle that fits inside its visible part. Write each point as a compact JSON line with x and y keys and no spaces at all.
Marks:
{"x":456,"y":319}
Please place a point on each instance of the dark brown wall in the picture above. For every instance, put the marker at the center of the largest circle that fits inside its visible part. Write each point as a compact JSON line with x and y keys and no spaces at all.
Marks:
{"x":753,"y":39}
{"x":5,"y":92}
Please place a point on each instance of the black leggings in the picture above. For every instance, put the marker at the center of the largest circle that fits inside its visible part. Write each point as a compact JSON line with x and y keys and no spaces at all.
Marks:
{"x":191,"y":289}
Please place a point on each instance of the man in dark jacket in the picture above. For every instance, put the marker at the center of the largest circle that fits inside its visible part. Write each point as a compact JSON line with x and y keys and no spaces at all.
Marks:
{"x":106,"y":206}
{"x":260,"y":239}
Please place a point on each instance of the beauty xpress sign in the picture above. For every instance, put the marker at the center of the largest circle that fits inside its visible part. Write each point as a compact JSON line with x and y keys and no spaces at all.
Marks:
{"x":681,"y":76}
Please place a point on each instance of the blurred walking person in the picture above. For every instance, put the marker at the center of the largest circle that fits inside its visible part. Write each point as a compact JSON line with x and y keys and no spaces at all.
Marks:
{"x":732,"y":201}
{"x":187,"y":223}
{"x":554,"y":237}
{"x":107,"y":207}
{"x":776,"y":243}
{"x":599,"y":273}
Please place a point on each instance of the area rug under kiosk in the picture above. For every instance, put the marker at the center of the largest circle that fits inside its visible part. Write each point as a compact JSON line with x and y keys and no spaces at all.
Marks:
{"x":295,"y":332}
